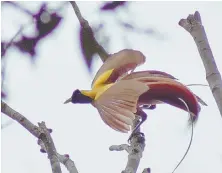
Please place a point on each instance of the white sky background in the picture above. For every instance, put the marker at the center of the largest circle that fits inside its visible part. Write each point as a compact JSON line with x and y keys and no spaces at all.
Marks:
{"x":39,"y":90}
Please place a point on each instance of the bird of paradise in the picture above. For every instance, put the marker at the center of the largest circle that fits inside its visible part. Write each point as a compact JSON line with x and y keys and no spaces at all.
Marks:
{"x":119,"y":95}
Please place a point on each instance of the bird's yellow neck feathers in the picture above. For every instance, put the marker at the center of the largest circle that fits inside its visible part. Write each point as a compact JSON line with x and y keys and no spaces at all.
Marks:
{"x":99,"y":86}
{"x":96,"y":92}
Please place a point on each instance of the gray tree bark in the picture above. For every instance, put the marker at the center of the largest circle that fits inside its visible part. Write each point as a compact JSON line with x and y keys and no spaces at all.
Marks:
{"x":194,"y":26}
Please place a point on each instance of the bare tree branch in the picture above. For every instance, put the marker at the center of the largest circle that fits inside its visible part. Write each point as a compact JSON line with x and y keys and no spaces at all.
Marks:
{"x":85,"y":25}
{"x":135,"y":150}
{"x":194,"y":26}
{"x":67,"y":162}
{"x":44,"y":140}
{"x":50,"y":148}
{"x":33,"y":129}
{"x":122,"y":147}
{"x":137,"y":144}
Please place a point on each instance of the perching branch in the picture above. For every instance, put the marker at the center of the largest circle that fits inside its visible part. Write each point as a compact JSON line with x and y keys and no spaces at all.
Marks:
{"x":44,"y":139}
{"x":194,"y":26}
{"x":135,"y":149}
{"x":85,"y":26}
{"x":137,"y":144}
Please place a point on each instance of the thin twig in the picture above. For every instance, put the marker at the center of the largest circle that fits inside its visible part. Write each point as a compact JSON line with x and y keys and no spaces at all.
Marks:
{"x":19,"y":7}
{"x":122,"y":147}
{"x":85,"y":25}
{"x":197,"y":85}
{"x":11,"y":41}
{"x":194,"y":26}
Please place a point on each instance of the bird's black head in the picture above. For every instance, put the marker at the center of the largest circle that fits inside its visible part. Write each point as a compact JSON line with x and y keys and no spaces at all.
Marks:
{"x":78,"y":97}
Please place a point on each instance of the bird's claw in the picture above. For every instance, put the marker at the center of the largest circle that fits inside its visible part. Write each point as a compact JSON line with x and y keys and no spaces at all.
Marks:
{"x":135,"y":134}
{"x":142,"y":116}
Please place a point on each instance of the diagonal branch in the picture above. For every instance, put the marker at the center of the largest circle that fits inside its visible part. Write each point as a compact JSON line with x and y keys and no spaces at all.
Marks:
{"x":194,"y":26}
{"x":19,"y":7}
{"x":9,"y":44}
{"x":85,"y":25}
{"x":44,"y":139}
{"x":33,"y":129}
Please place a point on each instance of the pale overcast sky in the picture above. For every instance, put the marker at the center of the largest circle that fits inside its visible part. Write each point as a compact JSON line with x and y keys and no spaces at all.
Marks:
{"x":39,"y":90}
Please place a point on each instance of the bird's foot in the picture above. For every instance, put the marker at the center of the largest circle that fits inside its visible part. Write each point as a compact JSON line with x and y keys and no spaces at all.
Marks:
{"x":135,"y":134}
{"x":142,"y":116}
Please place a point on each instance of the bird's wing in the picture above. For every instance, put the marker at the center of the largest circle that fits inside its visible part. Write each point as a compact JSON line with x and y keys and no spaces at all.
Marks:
{"x":117,"y":65}
{"x":147,"y":73}
{"x":118,"y":104}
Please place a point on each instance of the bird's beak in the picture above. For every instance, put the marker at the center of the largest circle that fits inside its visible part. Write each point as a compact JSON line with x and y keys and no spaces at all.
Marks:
{"x":67,"y":101}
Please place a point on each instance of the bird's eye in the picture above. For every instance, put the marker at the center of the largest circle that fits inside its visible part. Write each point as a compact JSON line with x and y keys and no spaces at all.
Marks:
{"x":76,"y":92}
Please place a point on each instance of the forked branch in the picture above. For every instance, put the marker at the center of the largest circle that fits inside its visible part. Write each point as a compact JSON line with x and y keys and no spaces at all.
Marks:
{"x":44,"y":139}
